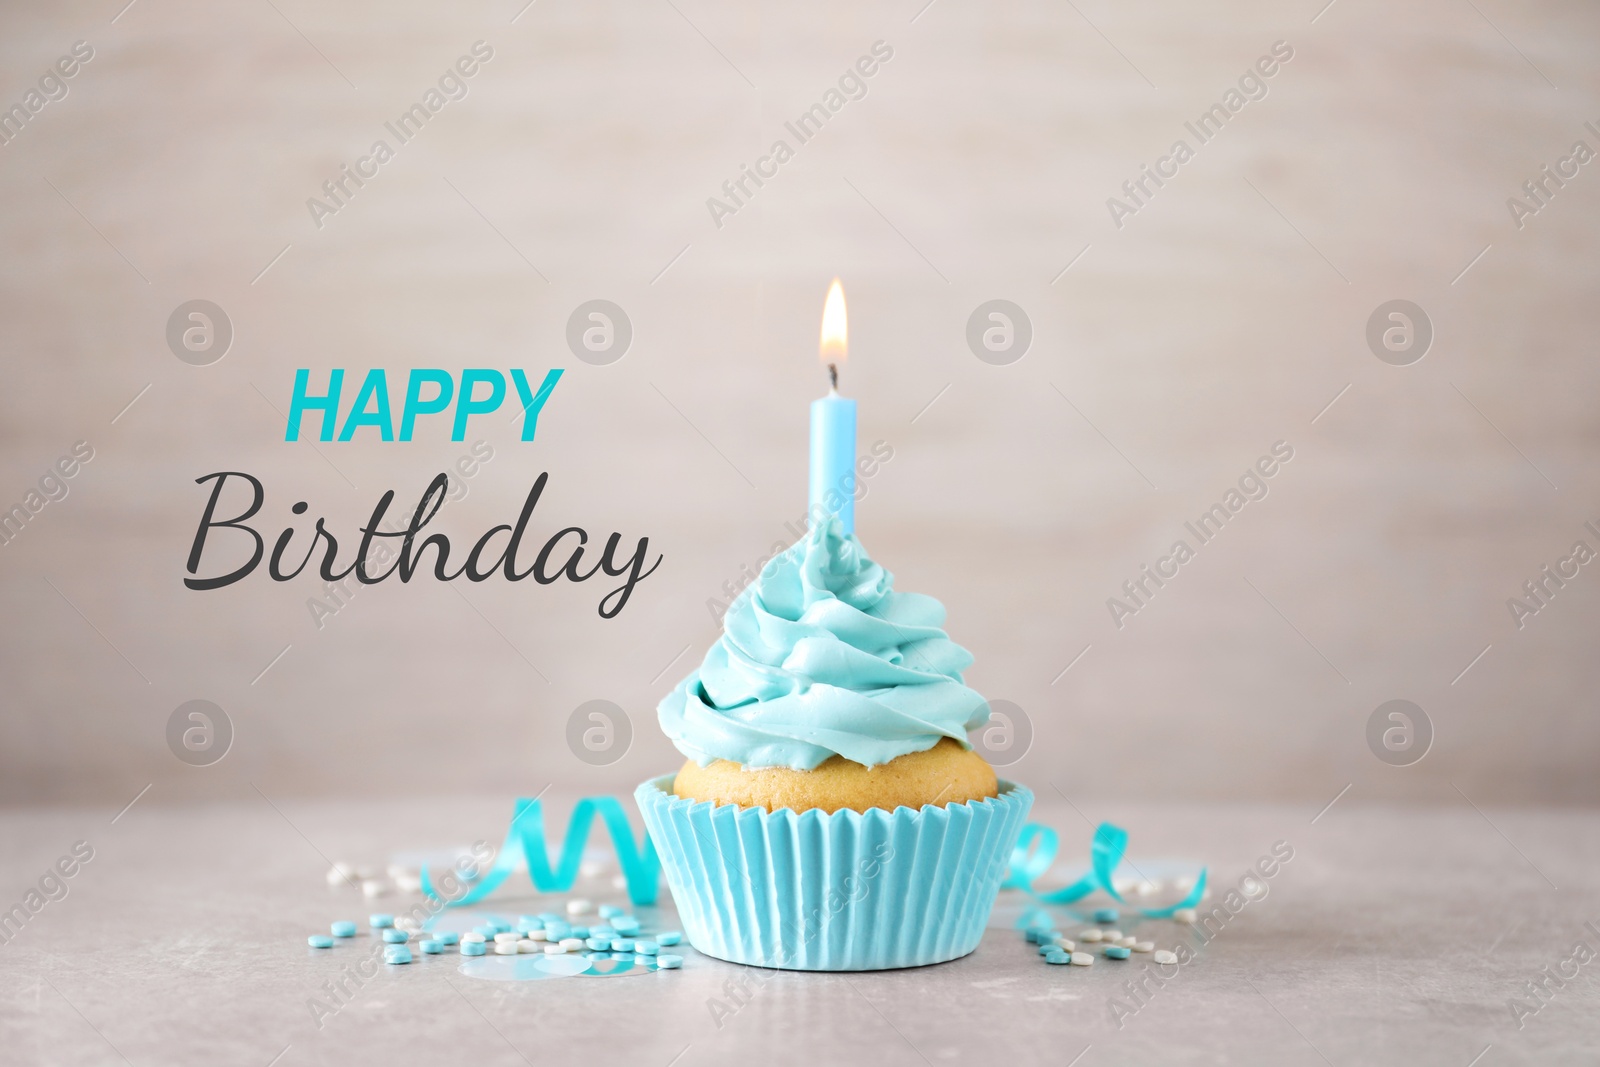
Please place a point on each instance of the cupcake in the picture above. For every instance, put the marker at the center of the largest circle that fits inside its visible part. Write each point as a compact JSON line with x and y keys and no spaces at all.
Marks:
{"x":831,"y":814}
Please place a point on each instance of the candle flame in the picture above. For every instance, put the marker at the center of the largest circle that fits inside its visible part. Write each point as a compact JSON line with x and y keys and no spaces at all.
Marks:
{"x":835,"y":346}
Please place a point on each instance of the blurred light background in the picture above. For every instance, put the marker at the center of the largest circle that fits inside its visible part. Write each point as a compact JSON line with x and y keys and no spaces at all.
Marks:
{"x":1221,"y":318}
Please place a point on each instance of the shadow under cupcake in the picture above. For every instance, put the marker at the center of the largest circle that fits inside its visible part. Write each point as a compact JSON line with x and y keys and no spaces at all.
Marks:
{"x":831,"y":815}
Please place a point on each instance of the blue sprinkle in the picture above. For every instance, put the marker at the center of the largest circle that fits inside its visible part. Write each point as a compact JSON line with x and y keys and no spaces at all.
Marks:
{"x":473,"y":948}
{"x":646,"y":948}
{"x":1106,"y":915}
{"x":395,"y":937}
{"x":528,"y":922}
{"x":432,"y":947}
{"x":320,"y":941}
{"x":668,"y":962}
{"x":1046,"y":949}
{"x":625,"y":924}
{"x":610,"y":911}
{"x":380,"y":922}
{"x":448,"y":938}
{"x":558,"y":931}
{"x":622,"y":944}
{"x":602,"y":931}
{"x":1032,"y":935}
{"x":487,"y":930}
{"x":1058,"y":957}
{"x":343,"y":928}
{"x":579,"y":932}
{"x":668,"y":939}
{"x":1116,"y":952}
{"x":500,"y":926}
{"x":396,"y":954}
{"x":548,"y":917}
{"x":599,"y":944}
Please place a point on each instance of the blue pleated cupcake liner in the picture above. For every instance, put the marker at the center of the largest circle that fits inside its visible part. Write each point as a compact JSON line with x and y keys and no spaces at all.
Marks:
{"x":847,"y":891}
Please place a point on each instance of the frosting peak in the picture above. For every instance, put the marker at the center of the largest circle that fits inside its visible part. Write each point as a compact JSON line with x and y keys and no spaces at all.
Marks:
{"x":820,"y":657}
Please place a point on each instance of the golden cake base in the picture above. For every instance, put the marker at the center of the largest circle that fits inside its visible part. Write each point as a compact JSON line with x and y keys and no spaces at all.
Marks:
{"x":947,"y":773}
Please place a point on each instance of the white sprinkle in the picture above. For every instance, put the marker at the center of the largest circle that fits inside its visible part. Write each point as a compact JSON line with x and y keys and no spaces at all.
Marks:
{"x":619,"y":882}
{"x":579,"y":906}
{"x":1091,"y":935}
{"x":593,"y":868}
{"x":1065,"y":944}
{"x":510,"y":936}
{"x":1112,"y":935}
{"x":529,"y":946}
{"x":1127,"y":942}
{"x":1164,"y":957}
{"x":340,"y":873}
{"x":536,"y":935}
{"x":1143,"y":946}
{"x":1081,"y":959}
{"x":554,"y":950}
{"x":1148,"y":889}
{"x":473,"y":935}
{"x":1185,"y":915}
{"x":408,"y":883}
{"x":572,"y":944}
{"x":505,"y":948}
{"x":373,"y":888}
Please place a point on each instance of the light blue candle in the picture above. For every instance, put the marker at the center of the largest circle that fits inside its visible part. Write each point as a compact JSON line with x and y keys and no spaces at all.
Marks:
{"x":833,"y":460}
{"x":833,"y":425}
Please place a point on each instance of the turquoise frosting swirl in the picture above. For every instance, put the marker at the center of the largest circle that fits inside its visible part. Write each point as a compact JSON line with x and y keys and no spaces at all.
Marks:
{"x":821,"y":657}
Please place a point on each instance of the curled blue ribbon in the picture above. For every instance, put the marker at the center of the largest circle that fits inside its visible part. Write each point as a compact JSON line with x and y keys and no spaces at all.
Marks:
{"x":640,"y":865}
{"x":1036,"y":850}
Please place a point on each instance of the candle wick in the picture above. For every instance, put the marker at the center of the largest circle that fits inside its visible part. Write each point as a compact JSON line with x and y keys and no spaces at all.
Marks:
{"x":833,"y":377}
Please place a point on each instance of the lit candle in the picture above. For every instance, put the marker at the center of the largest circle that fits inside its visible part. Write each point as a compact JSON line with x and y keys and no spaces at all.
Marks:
{"x":833,"y":424}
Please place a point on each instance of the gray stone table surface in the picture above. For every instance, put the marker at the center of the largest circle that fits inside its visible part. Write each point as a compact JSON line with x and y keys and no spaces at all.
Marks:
{"x":1394,"y":935}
